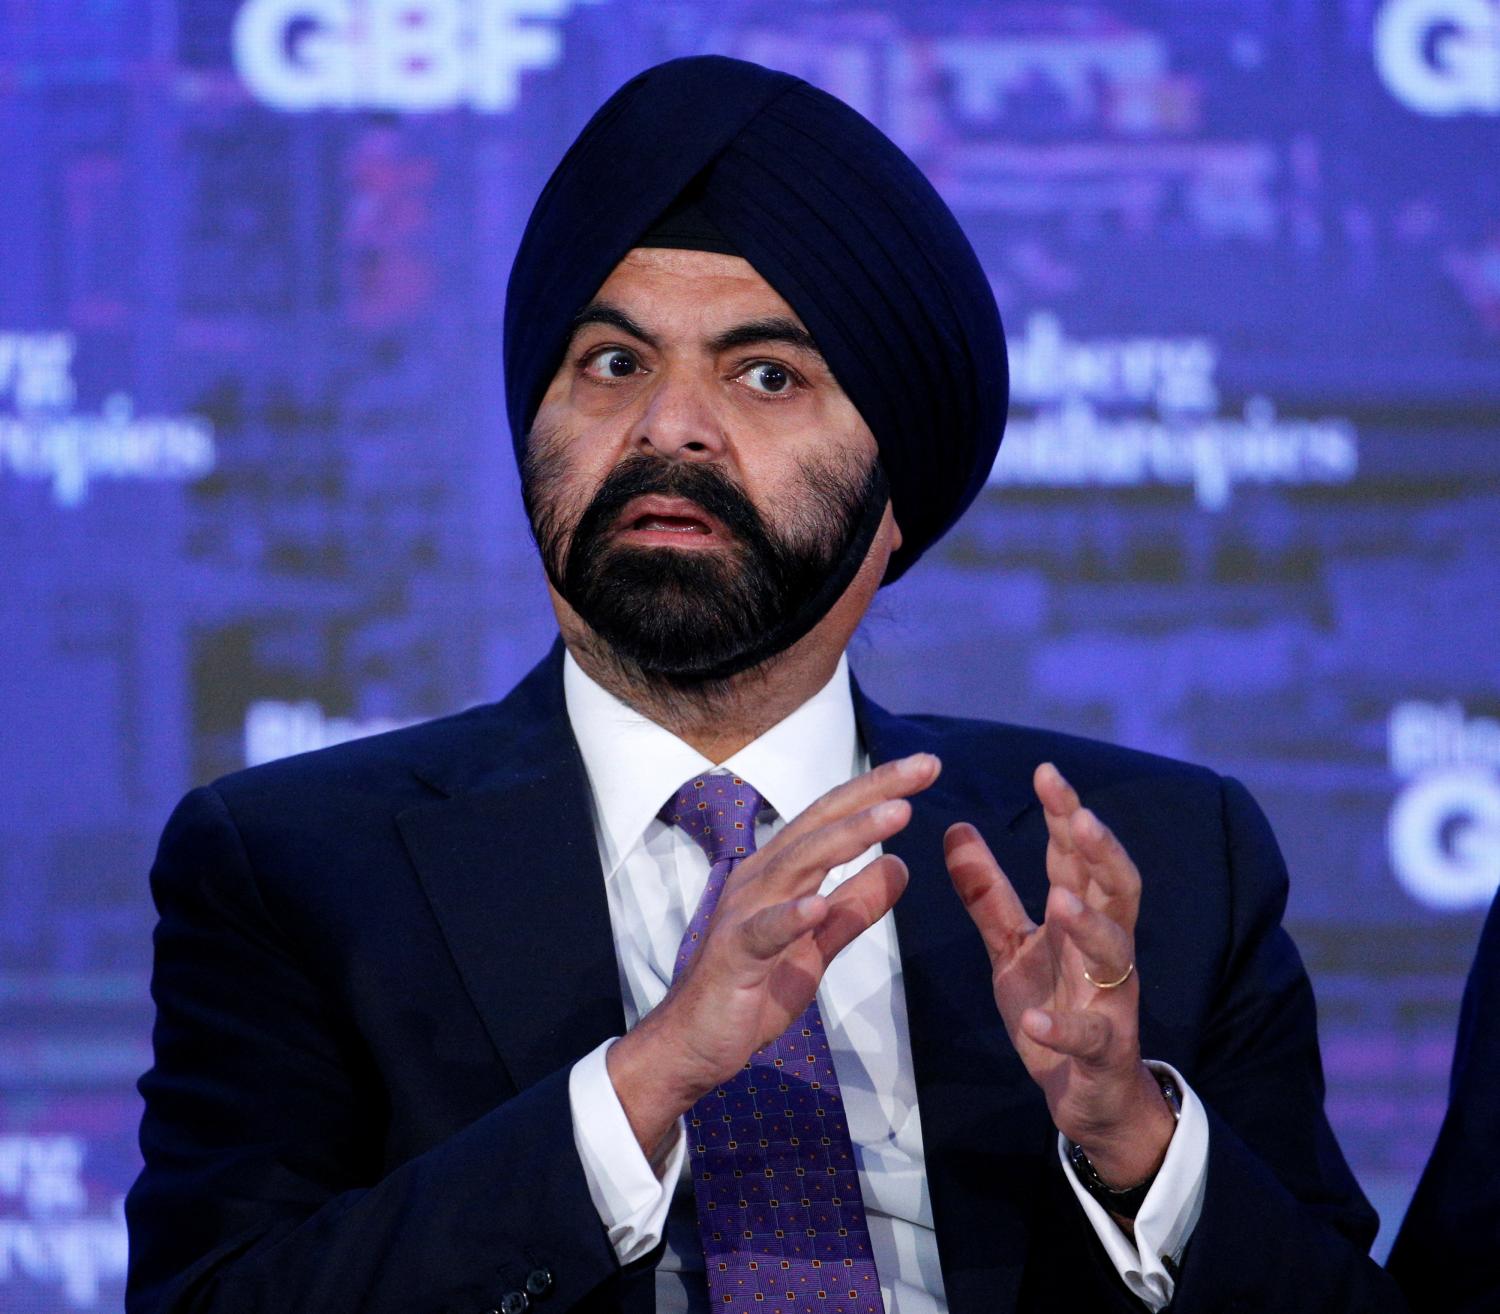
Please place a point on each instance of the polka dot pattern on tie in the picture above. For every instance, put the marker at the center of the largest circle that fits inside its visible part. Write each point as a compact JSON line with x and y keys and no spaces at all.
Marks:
{"x":774,"y":1175}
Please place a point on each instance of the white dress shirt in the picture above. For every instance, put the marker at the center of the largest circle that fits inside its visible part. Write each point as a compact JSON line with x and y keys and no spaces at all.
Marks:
{"x":654,"y":876}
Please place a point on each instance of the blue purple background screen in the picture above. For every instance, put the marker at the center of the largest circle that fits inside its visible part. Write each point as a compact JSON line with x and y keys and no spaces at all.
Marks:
{"x":257,"y":494}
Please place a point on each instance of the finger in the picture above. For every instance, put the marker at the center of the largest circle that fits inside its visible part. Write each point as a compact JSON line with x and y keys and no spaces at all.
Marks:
{"x":890,"y":780}
{"x":986,"y":892}
{"x":1084,"y":1036}
{"x":1059,"y":802}
{"x":767,"y":932}
{"x":860,"y":902}
{"x":1102,"y":942}
{"x":1104,"y":859}
{"x":799,"y":868}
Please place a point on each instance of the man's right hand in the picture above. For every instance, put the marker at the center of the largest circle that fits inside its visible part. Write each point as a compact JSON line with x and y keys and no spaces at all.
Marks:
{"x":771,"y":939}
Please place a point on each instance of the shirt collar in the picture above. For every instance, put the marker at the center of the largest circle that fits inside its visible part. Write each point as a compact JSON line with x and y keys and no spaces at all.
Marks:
{"x":635,"y":765}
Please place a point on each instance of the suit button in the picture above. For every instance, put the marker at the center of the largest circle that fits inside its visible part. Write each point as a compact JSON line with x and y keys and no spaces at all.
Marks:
{"x":538,"y":1283}
{"x":514,"y":1302}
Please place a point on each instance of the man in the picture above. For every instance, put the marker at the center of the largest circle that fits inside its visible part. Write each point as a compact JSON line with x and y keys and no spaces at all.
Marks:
{"x":647,"y":984}
{"x":1444,"y":1256}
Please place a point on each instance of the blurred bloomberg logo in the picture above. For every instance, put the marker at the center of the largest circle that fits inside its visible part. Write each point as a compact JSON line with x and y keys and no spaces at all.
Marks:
{"x":46,"y":438}
{"x":1142,"y":411}
{"x":275,"y":729}
{"x":1444,"y":829}
{"x":1441,"y":57}
{"x":48,"y":1236}
{"x":394,"y":54}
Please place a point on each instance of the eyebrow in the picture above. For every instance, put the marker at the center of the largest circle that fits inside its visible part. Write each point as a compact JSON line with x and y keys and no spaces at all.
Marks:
{"x":775,"y":328}
{"x":772,"y":328}
{"x":605,"y":312}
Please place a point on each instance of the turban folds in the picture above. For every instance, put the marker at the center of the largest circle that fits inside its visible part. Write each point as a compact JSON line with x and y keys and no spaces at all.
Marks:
{"x":832,"y":215}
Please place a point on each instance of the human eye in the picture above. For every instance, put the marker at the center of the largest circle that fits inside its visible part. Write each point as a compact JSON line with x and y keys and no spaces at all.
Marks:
{"x":770,"y":378}
{"x":609,"y":363}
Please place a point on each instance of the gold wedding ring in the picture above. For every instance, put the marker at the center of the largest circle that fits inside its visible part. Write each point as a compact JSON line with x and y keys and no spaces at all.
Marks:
{"x":1109,"y":985}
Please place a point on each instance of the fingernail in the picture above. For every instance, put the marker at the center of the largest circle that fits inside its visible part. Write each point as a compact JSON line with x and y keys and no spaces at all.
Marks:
{"x":1041,"y":1024}
{"x":918,"y":761}
{"x":1071,"y":903}
{"x":891,"y":810}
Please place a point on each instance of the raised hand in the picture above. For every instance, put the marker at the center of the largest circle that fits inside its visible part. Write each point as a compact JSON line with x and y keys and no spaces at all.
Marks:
{"x":1067,"y":990}
{"x":770,"y":941}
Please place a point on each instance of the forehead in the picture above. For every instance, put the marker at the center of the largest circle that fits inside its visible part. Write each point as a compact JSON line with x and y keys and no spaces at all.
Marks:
{"x":691,"y":293}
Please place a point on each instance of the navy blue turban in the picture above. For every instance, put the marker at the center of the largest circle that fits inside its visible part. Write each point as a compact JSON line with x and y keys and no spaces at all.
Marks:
{"x":832,"y":215}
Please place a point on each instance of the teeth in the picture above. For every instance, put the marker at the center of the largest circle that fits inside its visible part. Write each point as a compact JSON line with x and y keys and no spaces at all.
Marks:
{"x":671,"y":526}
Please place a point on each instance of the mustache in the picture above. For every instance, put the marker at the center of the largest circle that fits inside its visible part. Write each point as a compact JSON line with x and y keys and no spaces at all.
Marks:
{"x":705,"y":485}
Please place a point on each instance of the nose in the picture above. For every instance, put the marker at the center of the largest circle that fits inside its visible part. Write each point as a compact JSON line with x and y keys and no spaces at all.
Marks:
{"x":680,"y":421}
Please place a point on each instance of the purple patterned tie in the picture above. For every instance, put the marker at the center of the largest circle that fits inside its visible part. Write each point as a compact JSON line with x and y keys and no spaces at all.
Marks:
{"x":779,"y":1208}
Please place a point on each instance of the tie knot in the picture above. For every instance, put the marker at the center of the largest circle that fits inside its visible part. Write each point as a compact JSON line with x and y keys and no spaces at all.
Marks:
{"x":718,"y":811}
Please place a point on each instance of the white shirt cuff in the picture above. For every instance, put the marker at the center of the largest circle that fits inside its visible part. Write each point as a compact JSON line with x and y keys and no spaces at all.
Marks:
{"x":631,"y":1199}
{"x":1169,"y":1212}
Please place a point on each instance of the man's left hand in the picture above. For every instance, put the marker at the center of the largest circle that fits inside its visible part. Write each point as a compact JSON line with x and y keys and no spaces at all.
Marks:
{"x":1079,"y":1042}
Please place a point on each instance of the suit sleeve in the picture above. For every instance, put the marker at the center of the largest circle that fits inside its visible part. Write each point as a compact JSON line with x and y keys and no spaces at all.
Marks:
{"x":1444,"y":1256}
{"x":1284,"y":1224}
{"x":262,"y":1189}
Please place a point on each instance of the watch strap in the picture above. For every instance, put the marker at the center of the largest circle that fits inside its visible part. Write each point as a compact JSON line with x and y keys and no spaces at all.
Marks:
{"x":1124,"y":1203}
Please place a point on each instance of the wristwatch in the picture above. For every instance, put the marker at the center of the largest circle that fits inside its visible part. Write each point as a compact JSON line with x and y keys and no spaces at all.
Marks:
{"x":1126,"y":1203}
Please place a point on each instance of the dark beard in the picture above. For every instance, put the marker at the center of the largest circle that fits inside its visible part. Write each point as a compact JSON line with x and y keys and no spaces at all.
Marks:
{"x":692,"y":618}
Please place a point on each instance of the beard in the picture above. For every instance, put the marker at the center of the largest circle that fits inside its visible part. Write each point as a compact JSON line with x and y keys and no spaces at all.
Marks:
{"x":692,"y":618}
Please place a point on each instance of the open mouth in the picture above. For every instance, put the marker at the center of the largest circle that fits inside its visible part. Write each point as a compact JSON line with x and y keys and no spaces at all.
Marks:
{"x":669,"y":520}
{"x":670,"y":525}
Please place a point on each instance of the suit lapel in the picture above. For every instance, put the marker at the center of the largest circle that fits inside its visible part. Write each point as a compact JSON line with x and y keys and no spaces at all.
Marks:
{"x":510,"y":866}
{"x":985,"y":1126}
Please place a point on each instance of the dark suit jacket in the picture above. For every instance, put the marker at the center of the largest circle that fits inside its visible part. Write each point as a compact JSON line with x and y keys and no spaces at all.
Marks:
{"x":376,"y":964}
{"x":1445,"y":1256}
